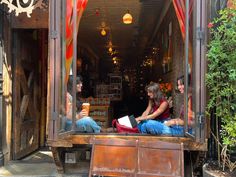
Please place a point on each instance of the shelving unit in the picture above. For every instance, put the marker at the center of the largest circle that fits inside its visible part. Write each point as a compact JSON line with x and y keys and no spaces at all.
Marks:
{"x":102,"y":90}
{"x":101,"y":114}
{"x":113,"y":90}
{"x":116,"y":87}
{"x":100,"y":110}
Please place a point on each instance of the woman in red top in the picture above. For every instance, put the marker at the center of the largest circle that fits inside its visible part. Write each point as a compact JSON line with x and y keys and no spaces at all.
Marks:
{"x":156,"y":111}
{"x":174,"y":127}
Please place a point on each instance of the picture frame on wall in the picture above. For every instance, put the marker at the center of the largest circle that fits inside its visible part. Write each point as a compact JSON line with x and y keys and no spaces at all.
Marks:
{"x":166,"y":67}
{"x":170,"y":29}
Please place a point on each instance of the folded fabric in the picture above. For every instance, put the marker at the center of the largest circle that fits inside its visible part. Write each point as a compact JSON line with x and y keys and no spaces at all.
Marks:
{"x":123,"y":129}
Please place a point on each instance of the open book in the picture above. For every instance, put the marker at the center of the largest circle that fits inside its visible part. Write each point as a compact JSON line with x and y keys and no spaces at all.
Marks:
{"x":128,"y":121}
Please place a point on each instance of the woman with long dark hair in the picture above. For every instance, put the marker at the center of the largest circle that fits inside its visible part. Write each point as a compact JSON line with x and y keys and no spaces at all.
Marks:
{"x":84,"y":123}
{"x":156,"y":111}
{"x":175,"y":127}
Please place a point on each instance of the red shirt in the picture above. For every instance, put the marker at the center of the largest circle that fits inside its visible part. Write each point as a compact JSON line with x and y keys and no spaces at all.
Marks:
{"x":165,"y":114}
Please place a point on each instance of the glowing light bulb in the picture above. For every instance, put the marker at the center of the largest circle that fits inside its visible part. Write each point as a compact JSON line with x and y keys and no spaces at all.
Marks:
{"x":127,"y":18}
{"x":103,"y":32}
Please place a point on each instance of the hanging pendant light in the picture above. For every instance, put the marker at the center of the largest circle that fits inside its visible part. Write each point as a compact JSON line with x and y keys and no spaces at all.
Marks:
{"x":127,"y":18}
{"x":103,"y":32}
{"x":110,"y":49}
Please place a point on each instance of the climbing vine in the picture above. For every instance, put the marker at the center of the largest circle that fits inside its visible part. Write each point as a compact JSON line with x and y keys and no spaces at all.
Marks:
{"x":221,"y":75}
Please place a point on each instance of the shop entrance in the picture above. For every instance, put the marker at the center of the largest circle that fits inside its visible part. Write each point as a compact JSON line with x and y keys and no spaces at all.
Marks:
{"x":29,"y":91}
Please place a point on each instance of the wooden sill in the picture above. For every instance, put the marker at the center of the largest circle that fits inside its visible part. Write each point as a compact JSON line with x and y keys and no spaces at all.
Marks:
{"x":73,"y":139}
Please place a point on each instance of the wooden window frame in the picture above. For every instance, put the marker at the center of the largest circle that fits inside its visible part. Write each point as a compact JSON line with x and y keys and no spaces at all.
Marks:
{"x":199,"y":68}
{"x":57,"y":51}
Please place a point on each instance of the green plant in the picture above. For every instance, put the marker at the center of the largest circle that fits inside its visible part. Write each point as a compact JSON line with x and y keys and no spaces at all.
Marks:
{"x":221,"y":75}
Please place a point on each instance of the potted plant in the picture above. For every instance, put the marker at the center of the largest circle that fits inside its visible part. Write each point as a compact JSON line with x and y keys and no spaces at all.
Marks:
{"x":221,"y":84}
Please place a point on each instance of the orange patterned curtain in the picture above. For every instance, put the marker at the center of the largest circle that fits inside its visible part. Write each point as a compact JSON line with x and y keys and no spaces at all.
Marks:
{"x":231,"y":4}
{"x":180,"y":10}
{"x":179,"y":6}
{"x":81,"y":5}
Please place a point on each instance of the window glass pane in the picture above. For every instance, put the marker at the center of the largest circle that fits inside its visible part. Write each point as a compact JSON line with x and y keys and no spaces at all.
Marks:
{"x":68,"y":83}
{"x":190,"y":72}
{"x":197,"y":70}
{"x":66,"y":58}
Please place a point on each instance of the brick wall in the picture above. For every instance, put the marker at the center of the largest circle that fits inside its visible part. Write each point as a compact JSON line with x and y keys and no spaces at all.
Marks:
{"x":177,"y":59}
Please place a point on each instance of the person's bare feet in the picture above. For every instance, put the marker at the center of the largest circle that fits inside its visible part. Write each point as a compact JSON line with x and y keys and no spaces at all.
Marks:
{"x":103,"y":130}
{"x":108,"y":130}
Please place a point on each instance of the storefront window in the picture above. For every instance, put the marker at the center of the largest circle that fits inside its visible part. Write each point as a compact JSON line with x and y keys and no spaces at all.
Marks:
{"x":66,"y":74}
{"x":71,"y":12}
{"x":187,"y":26}
{"x":66,"y":85}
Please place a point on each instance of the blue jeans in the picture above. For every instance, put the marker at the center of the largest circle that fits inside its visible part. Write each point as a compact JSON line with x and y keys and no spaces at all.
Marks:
{"x":159,"y":128}
{"x":85,"y":124}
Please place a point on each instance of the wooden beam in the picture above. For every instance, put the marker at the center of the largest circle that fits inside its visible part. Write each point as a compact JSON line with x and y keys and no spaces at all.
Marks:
{"x":38,"y":19}
{"x":189,"y":144}
{"x":60,"y":143}
{"x":24,"y":106}
{"x":23,"y":80}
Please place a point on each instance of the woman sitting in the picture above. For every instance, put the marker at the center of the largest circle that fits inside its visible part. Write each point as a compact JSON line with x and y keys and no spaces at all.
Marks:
{"x":83,"y":122}
{"x":175,"y":127}
{"x":156,"y":112}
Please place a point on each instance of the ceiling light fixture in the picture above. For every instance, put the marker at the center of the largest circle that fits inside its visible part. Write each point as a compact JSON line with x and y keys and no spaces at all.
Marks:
{"x":110,"y":49}
{"x":127,"y":18}
{"x":103,"y":32}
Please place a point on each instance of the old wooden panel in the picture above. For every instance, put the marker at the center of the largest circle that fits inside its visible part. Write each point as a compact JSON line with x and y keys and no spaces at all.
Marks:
{"x":60,"y":143}
{"x":119,"y":157}
{"x":43,"y":82}
{"x":38,"y":19}
{"x":160,"y":159}
{"x":24,"y":106}
{"x":115,"y":157}
{"x":23,"y":80}
{"x":26,"y":113}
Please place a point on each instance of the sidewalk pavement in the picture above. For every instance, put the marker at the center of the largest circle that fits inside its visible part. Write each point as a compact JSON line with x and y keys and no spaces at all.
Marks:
{"x":39,"y":164}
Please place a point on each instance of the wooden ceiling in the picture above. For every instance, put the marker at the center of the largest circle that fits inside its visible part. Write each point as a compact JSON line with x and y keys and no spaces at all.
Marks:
{"x":128,"y":41}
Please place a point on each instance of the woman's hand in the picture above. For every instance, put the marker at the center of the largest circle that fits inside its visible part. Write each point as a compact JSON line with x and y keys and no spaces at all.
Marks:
{"x":175,"y":121}
{"x":168,"y":123}
{"x":138,"y":120}
{"x":171,"y":122}
{"x":83,"y":113}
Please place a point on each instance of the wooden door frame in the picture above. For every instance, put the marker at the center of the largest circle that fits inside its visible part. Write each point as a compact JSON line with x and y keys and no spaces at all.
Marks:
{"x":1,"y":96}
{"x":43,"y":117}
{"x":199,"y":54}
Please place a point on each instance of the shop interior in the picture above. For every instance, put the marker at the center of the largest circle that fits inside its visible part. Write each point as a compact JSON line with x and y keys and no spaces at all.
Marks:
{"x":124,"y":45}
{"x":121,"y":47}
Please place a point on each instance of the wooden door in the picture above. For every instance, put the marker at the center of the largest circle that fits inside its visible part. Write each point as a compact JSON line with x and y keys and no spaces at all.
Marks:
{"x":26,"y":92}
